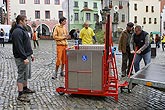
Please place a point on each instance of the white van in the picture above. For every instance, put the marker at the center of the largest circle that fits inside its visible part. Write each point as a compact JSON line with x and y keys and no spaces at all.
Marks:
{"x":6,"y":29}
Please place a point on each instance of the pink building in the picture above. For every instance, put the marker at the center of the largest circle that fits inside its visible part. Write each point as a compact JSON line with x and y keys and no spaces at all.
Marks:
{"x":42,"y":15}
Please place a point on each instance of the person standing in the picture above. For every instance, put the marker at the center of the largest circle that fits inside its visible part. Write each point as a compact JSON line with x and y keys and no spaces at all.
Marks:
{"x":87,"y":35}
{"x":35,"y":39}
{"x":23,"y":55}
{"x":60,"y":35}
{"x":124,"y":47}
{"x":151,"y":38}
{"x":157,"y":40}
{"x":2,"y":33}
{"x":141,"y":39}
{"x":163,"y":41}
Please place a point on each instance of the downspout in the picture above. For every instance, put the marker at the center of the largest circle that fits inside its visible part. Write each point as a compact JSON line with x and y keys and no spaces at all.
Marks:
{"x":68,"y":17}
{"x":128,"y":11}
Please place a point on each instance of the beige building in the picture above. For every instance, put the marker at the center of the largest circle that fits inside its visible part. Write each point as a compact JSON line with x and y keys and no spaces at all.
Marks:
{"x":41,"y":14}
{"x":119,"y":10}
{"x":145,"y":13}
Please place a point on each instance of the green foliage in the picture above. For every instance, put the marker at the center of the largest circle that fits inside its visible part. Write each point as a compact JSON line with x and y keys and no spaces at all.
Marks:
{"x":100,"y":36}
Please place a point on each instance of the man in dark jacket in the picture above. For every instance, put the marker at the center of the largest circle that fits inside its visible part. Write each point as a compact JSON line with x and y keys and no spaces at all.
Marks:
{"x":23,"y":54}
{"x":141,"y":39}
{"x":124,"y":47}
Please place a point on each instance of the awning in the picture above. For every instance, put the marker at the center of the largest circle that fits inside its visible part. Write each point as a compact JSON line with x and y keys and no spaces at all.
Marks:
{"x":154,"y":32}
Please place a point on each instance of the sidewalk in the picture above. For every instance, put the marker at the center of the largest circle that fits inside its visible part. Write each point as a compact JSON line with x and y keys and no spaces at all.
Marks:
{"x":45,"y":98}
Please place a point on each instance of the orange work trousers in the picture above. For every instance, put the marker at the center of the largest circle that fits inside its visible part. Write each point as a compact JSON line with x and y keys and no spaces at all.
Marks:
{"x":61,"y":54}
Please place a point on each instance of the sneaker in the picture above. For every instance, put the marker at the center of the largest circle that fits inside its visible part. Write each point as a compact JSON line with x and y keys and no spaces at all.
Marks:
{"x":23,"y":98}
{"x":54,"y":77}
{"x":62,"y":74}
{"x":27,"y":91}
{"x":123,"y":75}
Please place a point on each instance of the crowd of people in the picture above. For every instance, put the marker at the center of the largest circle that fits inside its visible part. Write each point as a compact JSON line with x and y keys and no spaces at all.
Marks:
{"x":23,"y":52}
{"x":135,"y":41}
{"x":132,"y":41}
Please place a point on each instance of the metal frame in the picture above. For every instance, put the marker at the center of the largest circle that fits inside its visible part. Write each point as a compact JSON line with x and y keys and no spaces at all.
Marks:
{"x":110,"y":81}
{"x":146,"y":82}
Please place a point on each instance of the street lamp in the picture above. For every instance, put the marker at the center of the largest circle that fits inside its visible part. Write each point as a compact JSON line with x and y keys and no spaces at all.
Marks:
{"x":104,"y":12}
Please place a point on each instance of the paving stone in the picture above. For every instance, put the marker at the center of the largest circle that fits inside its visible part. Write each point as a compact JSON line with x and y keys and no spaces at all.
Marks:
{"x":45,"y":98}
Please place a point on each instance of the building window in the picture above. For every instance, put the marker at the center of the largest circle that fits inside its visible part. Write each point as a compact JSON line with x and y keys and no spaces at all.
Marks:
{"x":152,"y":9}
{"x":135,"y":7}
{"x":144,"y":20}
{"x":110,"y":4}
{"x":95,"y":17}
{"x":23,"y":12}
{"x":36,"y":1}
{"x":149,"y":20}
{"x":88,"y":16}
{"x":75,"y":3}
{"x":164,"y":25}
{"x":47,"y":1}
{"x":57,"y":2}
{"x":22,"y":1}
{"x":120,"y":4}
{"x":155,"y":21}
{"x":94,"y":5}
{"x":85,"y":4}
{"x":60,"y":14}
{"x":47,"y":14}
{"x":146,"y":8}
{"x":76,"y":17}
{"x":116,"y":17}
{"x":37,"y":14}
{"x":135,"y":19}
{"x":123,"y":18}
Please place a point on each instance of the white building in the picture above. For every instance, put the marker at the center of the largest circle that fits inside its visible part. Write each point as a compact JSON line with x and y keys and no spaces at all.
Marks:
{"x":44,"y":14}
{"x":163,"y":21}
{"x":146,"y":13}
{"x":120,"y":17}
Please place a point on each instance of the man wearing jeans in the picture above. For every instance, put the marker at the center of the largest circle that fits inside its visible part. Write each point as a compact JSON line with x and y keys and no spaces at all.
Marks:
{"x":141,"y":40}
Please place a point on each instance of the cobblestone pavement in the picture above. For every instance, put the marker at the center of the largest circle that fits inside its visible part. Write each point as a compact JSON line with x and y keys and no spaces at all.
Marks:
{"x":45,"y":98}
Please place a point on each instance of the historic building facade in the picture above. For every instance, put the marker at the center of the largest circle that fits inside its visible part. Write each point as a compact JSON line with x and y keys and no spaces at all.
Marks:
{"x":42,"y":15}
{"x":162,"y":17}
{"x":81,"y":11}
{"x":146,"y":13}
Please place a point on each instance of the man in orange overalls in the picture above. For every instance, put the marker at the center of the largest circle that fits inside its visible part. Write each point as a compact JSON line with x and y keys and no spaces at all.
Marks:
{"x":60,"y":35}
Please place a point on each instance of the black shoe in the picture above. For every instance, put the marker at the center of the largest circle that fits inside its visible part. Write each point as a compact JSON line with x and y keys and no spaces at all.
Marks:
{"x":54,"y":77}
{"x":62,"y":74}
{"x":28,"y":91}
{"x":23,"y":98}
{"x":123,"y":75}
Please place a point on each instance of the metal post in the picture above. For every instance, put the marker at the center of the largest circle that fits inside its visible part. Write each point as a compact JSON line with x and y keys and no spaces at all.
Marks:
{"x":41,"y":28}
{"x":53,"y":57}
